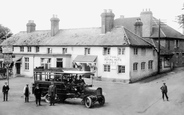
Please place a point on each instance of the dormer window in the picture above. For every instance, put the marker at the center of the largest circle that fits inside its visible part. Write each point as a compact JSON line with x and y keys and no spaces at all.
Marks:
{"x":49,"y":50}
{"x":37,"y":49}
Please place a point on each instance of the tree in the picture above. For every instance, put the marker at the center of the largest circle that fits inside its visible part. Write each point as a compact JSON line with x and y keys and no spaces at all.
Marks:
{"x":5,"y":32}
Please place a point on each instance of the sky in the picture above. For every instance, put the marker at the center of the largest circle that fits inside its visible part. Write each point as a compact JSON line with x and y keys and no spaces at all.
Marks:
{"x":15,"y":14}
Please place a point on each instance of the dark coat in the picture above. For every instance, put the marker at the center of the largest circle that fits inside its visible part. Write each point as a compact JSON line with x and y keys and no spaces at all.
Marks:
{"x":164,"y":88}
{"x":37,"y":92}
{"x":5,"y":89}
{"x":52,"y":90}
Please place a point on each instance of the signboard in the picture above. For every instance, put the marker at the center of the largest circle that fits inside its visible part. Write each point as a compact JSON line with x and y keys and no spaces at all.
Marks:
{"x":8,"y":58}
{"x":112,"y":60}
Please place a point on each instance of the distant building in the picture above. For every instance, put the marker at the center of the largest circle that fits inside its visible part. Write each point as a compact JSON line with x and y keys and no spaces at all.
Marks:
{"x":171,"y":41}
{"x":113,"y":51}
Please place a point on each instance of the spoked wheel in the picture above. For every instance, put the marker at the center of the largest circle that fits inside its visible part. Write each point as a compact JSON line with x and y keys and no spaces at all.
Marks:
{"x":47,"y":98}
{"x":88,"y":102}
{"x":101,"y":100}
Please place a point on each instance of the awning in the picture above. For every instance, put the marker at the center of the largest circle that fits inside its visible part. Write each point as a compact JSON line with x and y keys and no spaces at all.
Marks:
{"x":85,"y":58}
{"x":17,"y":59}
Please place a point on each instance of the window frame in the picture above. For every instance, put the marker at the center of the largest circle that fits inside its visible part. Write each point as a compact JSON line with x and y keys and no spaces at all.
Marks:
{"x":21,"y":48}
{"x":107,"y":67}
{"x":121,"y":69}
{"x":106,"y":50}
{"x":135,"y":66}
{"x":121,"y":50}
{"x":26,"y":62}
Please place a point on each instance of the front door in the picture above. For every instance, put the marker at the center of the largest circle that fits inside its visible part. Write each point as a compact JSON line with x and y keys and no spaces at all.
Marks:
{"x":18,"y":68}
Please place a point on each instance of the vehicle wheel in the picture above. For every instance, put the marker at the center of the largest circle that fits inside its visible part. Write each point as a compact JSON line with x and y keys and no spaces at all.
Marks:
{"x":88,"y":102}
{"x":101,"y":100}
{"x":47,"y":98}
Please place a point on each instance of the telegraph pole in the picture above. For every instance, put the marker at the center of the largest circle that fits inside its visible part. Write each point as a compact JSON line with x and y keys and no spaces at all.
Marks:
{"x":159,"y":46}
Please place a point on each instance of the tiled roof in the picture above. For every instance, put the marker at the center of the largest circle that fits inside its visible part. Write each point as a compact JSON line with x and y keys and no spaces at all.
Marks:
{"x":166,"y":31}
{"x":84,"y":36}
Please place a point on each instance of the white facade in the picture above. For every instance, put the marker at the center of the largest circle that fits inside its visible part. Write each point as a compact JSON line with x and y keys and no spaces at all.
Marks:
{"x":125,"y":60}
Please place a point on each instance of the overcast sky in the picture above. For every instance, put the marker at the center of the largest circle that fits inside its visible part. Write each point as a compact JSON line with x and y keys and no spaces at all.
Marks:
{"x":81,"y":13}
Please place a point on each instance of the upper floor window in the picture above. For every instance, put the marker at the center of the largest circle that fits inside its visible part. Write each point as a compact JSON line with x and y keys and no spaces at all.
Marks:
{"x":121,"y":69}
{"x":135,"y":51}
{"x":28,"y":49}
{"x":12,"y":48}
{"x":143,"y":51}
{"x":64,"y":50}
{"x":121,"y":51}
{"x":106,"y":68}
{"x":150,"y":64}
{"x":143,"y":65}
{"x":87,"y":51}
{"x":37,"y":49}
{"x":176,"y":43}
{"x":26,"y":63}
{"x":135,"y":66}
{"x":49,"y":50}
{"x":21,"y":49}
{"x":106,"y":51}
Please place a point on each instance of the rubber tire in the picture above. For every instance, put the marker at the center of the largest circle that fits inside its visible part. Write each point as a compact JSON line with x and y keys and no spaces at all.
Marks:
{"x":47,"y":98}
{"x":88,"y":102}
{"x":101,"y":101}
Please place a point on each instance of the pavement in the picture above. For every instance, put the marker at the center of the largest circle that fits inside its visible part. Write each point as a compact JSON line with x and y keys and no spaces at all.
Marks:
{"x":140,"y":98}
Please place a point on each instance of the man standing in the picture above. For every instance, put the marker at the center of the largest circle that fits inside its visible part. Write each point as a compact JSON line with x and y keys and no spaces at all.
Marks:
{"x":37,"y":93}
{"x":5,"y":90}
{"x":164,"y":91}
{"x":26,"y":93}
{"x":52,"y":93}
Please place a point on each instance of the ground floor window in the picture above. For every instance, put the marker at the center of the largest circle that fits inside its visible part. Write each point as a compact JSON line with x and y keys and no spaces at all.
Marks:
{"x":46,"y":62}
{"x":135,"y":66}
{"x":59,"y":62}
{"x":106,"y":68}
{"x":121,"y":69}
{"x":26,"y":63}
{"x":150,"y":64}
{"x":143,"y":65}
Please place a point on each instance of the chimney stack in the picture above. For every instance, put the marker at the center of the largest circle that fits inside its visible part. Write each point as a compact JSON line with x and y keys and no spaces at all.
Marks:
{"x":30,"y":26}
{"x":138,"y":27}
{"x":54,"y":25}
{"x":146,"y":18}
{"x":107,"y":21}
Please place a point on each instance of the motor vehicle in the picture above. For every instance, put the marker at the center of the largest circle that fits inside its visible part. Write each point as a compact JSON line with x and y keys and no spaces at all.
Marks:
{"x":65,"y":89}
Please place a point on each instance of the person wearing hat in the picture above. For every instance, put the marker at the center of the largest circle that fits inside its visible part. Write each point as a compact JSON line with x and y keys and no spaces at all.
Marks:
{"x":37,"y":93}
{"x":52,"y":93}
{"x":164,"y":91}
{"x":5,"y":90}
{"x":26,"y":92}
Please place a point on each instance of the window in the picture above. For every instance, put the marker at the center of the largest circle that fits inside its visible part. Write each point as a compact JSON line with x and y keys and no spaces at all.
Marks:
{"x":26,"y":63}
{"x":106,"y":51}
{"x":1,"y":51}
{"x":28,"y":49}
{"x":168,"y":44}
{"x":143,"y":65}
{"x":64,"y":50}
{"x":135,"y":51}
{"x":21,"y":49}
{"x":46,"y":62}
{"x":12,"y":48}
{"x":49,"y":50}
{"x":143,"y":51}
{"x":121,"y":51}
{"x":121,"y":69}
{"x":135,"y":65}
{"x":150,"y":64}
{"x":59,"y":62}
{"x":37,"y":49}
{"x":87,"y":51}
{"x":106,"y":68}
{"x":176,"y":43}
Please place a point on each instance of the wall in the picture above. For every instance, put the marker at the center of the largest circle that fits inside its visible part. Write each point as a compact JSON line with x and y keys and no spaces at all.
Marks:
{"x":139,"y":74}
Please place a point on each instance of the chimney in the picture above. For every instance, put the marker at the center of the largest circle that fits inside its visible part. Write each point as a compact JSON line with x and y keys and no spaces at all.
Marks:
{"x":107,"y":21}
{"x":54,"y":25}
{"x":146,"y":18}
{"x":138,"y":27}
{"x":30,"y":26}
